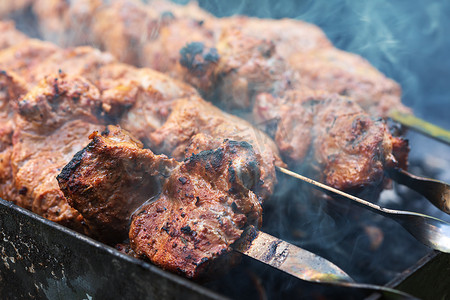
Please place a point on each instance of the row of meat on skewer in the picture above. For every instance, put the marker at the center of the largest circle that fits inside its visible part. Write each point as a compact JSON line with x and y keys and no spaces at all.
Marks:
{"x":191,"y":175}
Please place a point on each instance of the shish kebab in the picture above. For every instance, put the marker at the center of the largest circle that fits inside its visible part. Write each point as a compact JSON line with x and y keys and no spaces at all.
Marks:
{"x":238,"y":61}
{"x":119,"y":85}
{"x":165,"y":114}
{"x":239,"y":56}
{"x":49,"y":122}
{"x":54,"y":115}
{"x":148,"y":113}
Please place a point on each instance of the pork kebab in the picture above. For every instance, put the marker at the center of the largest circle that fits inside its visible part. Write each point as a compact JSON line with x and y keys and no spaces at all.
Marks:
{"x":50,"y":114}
{"x":235,"y":64}
{"x":229,"y":60}
{"x":92,"y":87}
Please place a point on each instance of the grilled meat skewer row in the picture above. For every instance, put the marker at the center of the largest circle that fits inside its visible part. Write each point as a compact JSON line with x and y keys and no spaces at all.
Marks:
{"x":44,"y":112}
{"x":162,"y":112}
{"x":230,"y":60}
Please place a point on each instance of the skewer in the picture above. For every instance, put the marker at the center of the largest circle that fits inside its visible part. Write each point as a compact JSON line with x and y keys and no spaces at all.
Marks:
{"x":430,"y":231}
{"x":421,"y":126}
{"x":301,"y":263}
{"x":437,"y":192}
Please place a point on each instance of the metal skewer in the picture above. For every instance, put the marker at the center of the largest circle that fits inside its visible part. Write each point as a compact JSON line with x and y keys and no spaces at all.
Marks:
{"x":437,"y":192}
{"x":421,"y":126}
{"x":301,"y":263}
{"x":428,"y":230}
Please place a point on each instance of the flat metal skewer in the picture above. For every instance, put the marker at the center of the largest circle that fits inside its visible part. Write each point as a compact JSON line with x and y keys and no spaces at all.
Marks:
{"x":301,"y":263}
{"x":430,"y":231}
{"x":437,"y":192}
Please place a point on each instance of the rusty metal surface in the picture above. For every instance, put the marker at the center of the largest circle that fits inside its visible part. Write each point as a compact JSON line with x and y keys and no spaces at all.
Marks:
{"x":43,"y":260}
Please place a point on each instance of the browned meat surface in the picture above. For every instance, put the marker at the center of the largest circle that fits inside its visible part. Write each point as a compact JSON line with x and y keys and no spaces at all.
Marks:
{"x":9,"y":36}
{"x":11,"y":88}
{"x":231,"y":60}
{"x":289,"y":36}
{"x":7,"y":7}
{"x":193,"y":115}
{"x":143,"y":98}
{"x":110,"y":178}
{"x":24,"y":56}
{"x":247,"y":66}
{"x":123,"y":27}
{"x":333,"y":139}
{"x":199,"y":210}
{"x":350,"y":75}
{"x":227,"y":66}
{"x":184,"y":49}
{"x":83,"y":61}
{"x":33,"y":59}
{"x":53,"y":122}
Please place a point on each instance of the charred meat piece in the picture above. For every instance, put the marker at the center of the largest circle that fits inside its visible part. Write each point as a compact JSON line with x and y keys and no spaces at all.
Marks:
{"x":201,"y":208}
{"x":110,"y":178}
{"x":192,"y":116}
{"x":202,"y":211}
{"x":333,"y":139}
{"x":53,"y":120}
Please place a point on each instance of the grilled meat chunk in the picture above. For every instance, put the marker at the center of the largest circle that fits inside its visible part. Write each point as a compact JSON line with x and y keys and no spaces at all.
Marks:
{"x":288,"y":35}
{"x":109,"y":179}
{"x":24,"y":56}
{"x":11,"y":88}
{"x":350,"y":75}
{"x":333,"y":139}
{"x":10,"y":36}
{"x":184,"y":49}
{"x":141,"y":99}
{"x":53,"y":121}
{"x":81,"y":61}
{"x":193,"y":115}
{"x":202,"y":210}
{"x":192,"y":210}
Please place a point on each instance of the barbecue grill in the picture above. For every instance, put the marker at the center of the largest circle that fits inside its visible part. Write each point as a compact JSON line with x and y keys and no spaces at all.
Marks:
{"x":45,"y":260}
